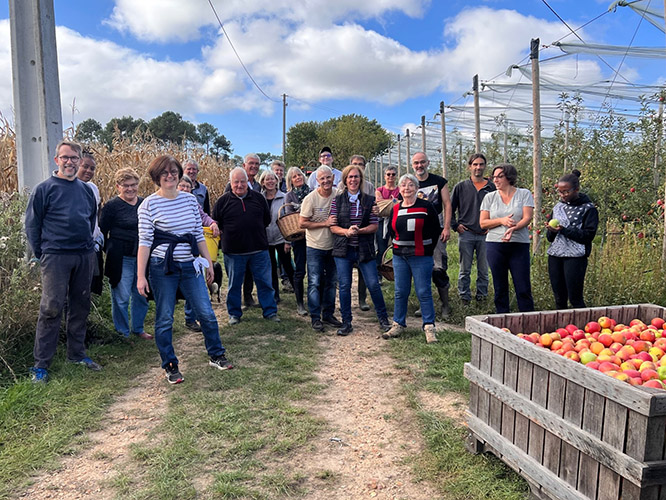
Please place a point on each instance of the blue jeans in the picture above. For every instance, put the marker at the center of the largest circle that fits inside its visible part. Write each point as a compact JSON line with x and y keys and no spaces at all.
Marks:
{"x":421,"y":269}
{"x":322,"y":281}
{"x":125,"y":296}
{"x":260,"y":265}
{"x":514,"y":257}
{"x":468,"y":243}
{"x":368,"y":270}
{"x":194,"y":289}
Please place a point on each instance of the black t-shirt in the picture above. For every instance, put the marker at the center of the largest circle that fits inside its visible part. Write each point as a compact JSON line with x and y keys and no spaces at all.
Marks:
{"x":430,"y":190}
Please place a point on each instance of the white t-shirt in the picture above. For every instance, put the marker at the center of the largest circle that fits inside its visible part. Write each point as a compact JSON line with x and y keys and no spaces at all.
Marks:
{"x":316,"y":208}
{"x":493,"y":203}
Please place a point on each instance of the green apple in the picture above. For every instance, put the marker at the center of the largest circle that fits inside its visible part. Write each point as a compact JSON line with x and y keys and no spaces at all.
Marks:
{"x":661,"y":371}
{"x":554,"y":223}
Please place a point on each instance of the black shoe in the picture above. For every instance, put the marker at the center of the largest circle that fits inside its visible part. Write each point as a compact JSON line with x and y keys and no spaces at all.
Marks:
{"x":363,"y":306}
{"x":193,"y":325}
{"x":221,"y":363}
{"x":172,"y":374}
{"x":317,"y":325}
{"x":345,"y":330}
{"x":384,"y":324}
{"x":465,"y":302}
{"x":333,"y":321}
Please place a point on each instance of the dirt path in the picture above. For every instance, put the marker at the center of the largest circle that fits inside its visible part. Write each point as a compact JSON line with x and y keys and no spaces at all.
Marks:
{"x":366,"y":454}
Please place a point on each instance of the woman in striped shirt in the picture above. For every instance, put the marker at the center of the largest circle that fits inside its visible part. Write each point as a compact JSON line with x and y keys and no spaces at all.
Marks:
{"x":172,"y":247}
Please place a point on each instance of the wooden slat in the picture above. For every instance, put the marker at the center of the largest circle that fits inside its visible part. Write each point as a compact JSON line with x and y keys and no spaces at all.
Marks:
{"x":614,"y":433}
{"x":497,"y":372}
{"x":548,"y":322}
{"x":565,"y":317}
{"x":609,"y":483}
{"x":486,"y":361}
{"x":639,"y":399}
{"x":539,"y":397}
{"x":521,"y":438}
{"x":476,"y":351}
{"x":514,"y":322}
{"x":532,"y":322}
{"x":511,"y":382}
{"x":593,"y":422}
{"x":649,"y":311}
{"x":474,"y":399}
{"x":645,"y":437}
{"x":534,"y":472}
{"x":573,"y":413}
{"x":569,"y":432}
{"x":555,"y":404}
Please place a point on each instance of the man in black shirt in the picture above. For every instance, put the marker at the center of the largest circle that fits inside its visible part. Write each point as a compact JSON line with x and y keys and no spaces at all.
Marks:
{"x":434,"y":188}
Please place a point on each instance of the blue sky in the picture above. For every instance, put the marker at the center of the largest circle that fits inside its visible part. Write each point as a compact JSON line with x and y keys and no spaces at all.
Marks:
{"x":390,"y":60}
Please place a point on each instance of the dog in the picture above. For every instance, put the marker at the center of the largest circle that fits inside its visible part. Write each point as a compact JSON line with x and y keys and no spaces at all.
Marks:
{"x":214,"y":287}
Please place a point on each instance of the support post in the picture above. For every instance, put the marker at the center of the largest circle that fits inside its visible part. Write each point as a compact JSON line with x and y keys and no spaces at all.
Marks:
{"x":506,"y":139}
{"x":443,"y":119}
{"x":399,"y":157}
{"x":423,"y":134}
{"x":566,"y":140}
{"x":477,"y":114}
{"x":284,"y":126}
{"x":36,"y":88}
{"x":536,"y":154}
{"x":409,"y":153}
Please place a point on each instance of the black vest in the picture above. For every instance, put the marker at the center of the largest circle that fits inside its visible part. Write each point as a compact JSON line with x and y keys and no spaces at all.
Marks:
{"x":366,"y":242}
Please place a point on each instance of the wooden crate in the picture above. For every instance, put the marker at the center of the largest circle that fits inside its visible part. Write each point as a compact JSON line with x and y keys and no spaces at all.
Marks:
{"x":572,"y":432}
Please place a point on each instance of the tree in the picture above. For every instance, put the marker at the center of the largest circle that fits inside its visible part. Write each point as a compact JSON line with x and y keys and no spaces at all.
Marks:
{"x":207,"y":133}
{"x":89,"y":130}
{"x":126,"y":127}
{"x":170,"y":127}
{"x":220,"y":145}
{"x":302,"y":143}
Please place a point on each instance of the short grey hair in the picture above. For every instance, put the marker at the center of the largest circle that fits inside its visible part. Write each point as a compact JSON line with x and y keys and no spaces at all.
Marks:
{"x":187,"y":179}
{"x":264,"y":175}
{"x":391,"y":168}
{"x":251,"y":155}
{"x":238,"y":169}
{"x":190,"y":161}
{"x":290,"y":173}
{"x":409,"y":177}
{"x":323,"y":169}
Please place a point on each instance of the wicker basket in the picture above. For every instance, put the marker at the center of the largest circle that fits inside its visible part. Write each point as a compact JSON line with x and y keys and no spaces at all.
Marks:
{"x":289,"y":225}
{"x":385,"y":207}
{"x":386,"y":267}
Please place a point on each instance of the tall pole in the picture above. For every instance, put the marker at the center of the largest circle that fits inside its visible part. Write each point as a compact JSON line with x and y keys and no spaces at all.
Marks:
{"x":409,"y":154}
{"x":566,"y":140}
{"x":460,"y":158}
{"x":443,"y":119}
{"x":657,"y":146}
{"x":379,"y":171}
{"x":399,"y":157}
{"x":36,"y":88}
{"x":284,"y":125}
{"x":477,"y":113}
{"x":506,"y":139}
{"x":536,"y":155}
{"x":663,"y":249}
{"x":423,"y":134}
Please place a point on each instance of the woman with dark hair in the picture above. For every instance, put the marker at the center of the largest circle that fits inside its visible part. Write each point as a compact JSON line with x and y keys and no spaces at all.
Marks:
{"x":506,"y":213}
{"x":353,"y":235}
{"x":570,"y":231}
{"x":297,"y":191}
{"x":172,"y":246}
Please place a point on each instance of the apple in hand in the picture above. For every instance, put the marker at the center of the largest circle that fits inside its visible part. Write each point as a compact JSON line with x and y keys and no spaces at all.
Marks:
{"x":554,"y":223}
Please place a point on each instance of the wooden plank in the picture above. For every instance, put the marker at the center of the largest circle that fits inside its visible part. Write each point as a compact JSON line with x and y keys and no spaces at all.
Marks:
{"x":593,"y":422}
{"x":648,"y":311}
{"x":632,"y":492}
{"x":569,"y":432}
{"x":555,"y":404}
{"x":524,"y":388}
{"x":486,"y":360}
{"x":645,"y":437}
{"x":573,"y":412}
{"x":548,"y":321}
{"x":639,"y":399}
{"x":497,"y":372}
{"x":514,"y":322}
{"x":532,"y":322}
{"x":539,"y":397}
{"x":565,"y":317}
{"x":609,"y":483}
{"x":614,"y":433}
{"x":511,"y":382}
{"x":530,"y":468}
{"x":476,"y":351}
{"x":474,"y":399}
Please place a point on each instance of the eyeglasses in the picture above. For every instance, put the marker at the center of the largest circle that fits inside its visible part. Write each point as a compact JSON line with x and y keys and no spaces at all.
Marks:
{"x":166,"y":173}
{"x":564,"y":191}
{"x":419,"y":162}
{"x":500,"y":176}
{"x":353,"y":177}
{"x":326,"y":155}
{"x":390,"y":174}
{"x":129,"y":186}
{"x":73,"y":159}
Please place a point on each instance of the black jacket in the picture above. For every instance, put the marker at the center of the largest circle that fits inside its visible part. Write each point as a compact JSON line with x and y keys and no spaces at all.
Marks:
{"x":242,"y":222}
{"x":366,"y":242}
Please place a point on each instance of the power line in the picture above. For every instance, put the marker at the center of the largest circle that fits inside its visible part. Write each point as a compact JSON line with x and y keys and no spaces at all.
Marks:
{"x":238,"y":56}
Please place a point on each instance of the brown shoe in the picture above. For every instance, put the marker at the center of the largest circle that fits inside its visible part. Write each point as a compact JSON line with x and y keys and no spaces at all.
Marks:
{"x":430,"y":333}
{"x":145,"y":336}
{"x":395,"y":331}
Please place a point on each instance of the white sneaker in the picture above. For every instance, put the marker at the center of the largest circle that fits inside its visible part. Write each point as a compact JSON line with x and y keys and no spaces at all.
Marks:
{"x":430,"y":333}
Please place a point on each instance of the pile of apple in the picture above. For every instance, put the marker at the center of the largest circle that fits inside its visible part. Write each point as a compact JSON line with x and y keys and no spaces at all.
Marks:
{"x":633,"y":353}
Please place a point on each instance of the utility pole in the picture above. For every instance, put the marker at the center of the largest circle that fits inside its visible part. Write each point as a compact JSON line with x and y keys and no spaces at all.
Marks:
{"x":399,"y":156}
{"x":409,"y":154}
{"x":477,"y":113}
{"x":441,"y":116}
{"x":284,"y":125}
{"x":506,"y":139}
{"x":536,"y":155}
{"x":423,"y":134}
{"x":36,"y":88}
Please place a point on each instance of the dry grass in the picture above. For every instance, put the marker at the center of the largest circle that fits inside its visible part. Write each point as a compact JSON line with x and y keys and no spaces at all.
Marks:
{"x":136,"y":151}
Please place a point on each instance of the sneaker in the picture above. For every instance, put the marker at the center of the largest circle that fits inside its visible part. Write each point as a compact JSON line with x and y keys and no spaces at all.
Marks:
{"x":429,"y":330}
{"x":393,"y":332}
{"x":363,"y":306}
{"x":193,"y":325}
{"x":317,"y":325}
{"x":333,"y":321}
{"x":173,"y":376}
{"x":39,"y":375}
{"x":88,"y":363}
{"x":345,"y":330}
{"x":301,"y":310}
{"x":234,"y":320}
{"x":384,"y":324}
{"x":417,"y":313}
{"x":221,"y":363}
{"x":145,"y":336}
{"x":273,"y":317}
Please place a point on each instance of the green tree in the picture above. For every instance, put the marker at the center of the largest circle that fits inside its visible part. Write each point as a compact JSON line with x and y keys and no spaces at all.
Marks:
{"x":126,"y":126}
{"x":170,"y":127}
{"x":303,"y":143}
{"x":89,"y":130}
{"x":221,"y":146}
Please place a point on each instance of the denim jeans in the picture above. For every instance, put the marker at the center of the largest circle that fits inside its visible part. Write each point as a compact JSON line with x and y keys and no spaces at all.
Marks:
{"x":514,"y":257}
{"x":194,"y":289}
{"x":64,"y":278}
{"x":322,"y":281}
{"x":125,"y":296}
{"x":368,"y":270}
{"x":236,"y":266}
{"x":468,"y":243}
{"x":190,"y":315}
{"x":421,"y":269}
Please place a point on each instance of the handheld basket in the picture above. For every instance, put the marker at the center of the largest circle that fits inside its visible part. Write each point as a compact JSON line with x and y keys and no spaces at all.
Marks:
{"x":386,"y":267}
{"x":289,"y":226}
{"x":385,"y":207}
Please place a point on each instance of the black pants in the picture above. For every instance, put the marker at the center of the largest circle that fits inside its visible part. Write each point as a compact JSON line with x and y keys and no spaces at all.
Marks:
{"x":285,"y":260}
{"x":567,"y":276}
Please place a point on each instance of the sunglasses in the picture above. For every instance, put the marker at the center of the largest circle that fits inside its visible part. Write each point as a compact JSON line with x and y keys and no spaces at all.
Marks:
{"x":389,"y":174}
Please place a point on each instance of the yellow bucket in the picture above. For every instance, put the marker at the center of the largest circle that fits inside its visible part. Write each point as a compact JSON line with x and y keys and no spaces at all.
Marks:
{"x":211,"y":242}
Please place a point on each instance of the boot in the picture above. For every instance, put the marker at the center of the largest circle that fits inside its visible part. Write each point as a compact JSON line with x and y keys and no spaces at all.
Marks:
{"x":298,"y":292}
{"x":444,"y":299}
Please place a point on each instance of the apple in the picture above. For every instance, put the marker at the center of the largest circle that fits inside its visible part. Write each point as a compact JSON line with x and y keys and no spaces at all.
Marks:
{"x":592,"y":327}
{"x":649,"y":374}
{"x":661,"y":371}
{"x":604,"y":322}
{"x":554,"y":223}
{"x":658,"y":323}
{"x":654,"y":383}
{"x":588,"y":357}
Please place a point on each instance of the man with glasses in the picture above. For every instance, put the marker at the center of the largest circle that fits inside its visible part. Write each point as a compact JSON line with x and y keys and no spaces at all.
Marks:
{"x":325,"y":159}
{"x":434,"y":189}
{"x":59,"y":224}
{"x":191,"y":169}
{"x":466,"y":200}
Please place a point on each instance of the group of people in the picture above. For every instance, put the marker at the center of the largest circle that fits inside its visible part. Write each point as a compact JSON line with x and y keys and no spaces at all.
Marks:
{"x":155,"y":247}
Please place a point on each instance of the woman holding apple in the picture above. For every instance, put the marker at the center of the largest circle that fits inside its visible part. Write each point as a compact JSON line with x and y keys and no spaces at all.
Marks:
{"x":506,"y":213}
{"x":570,"y":231}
